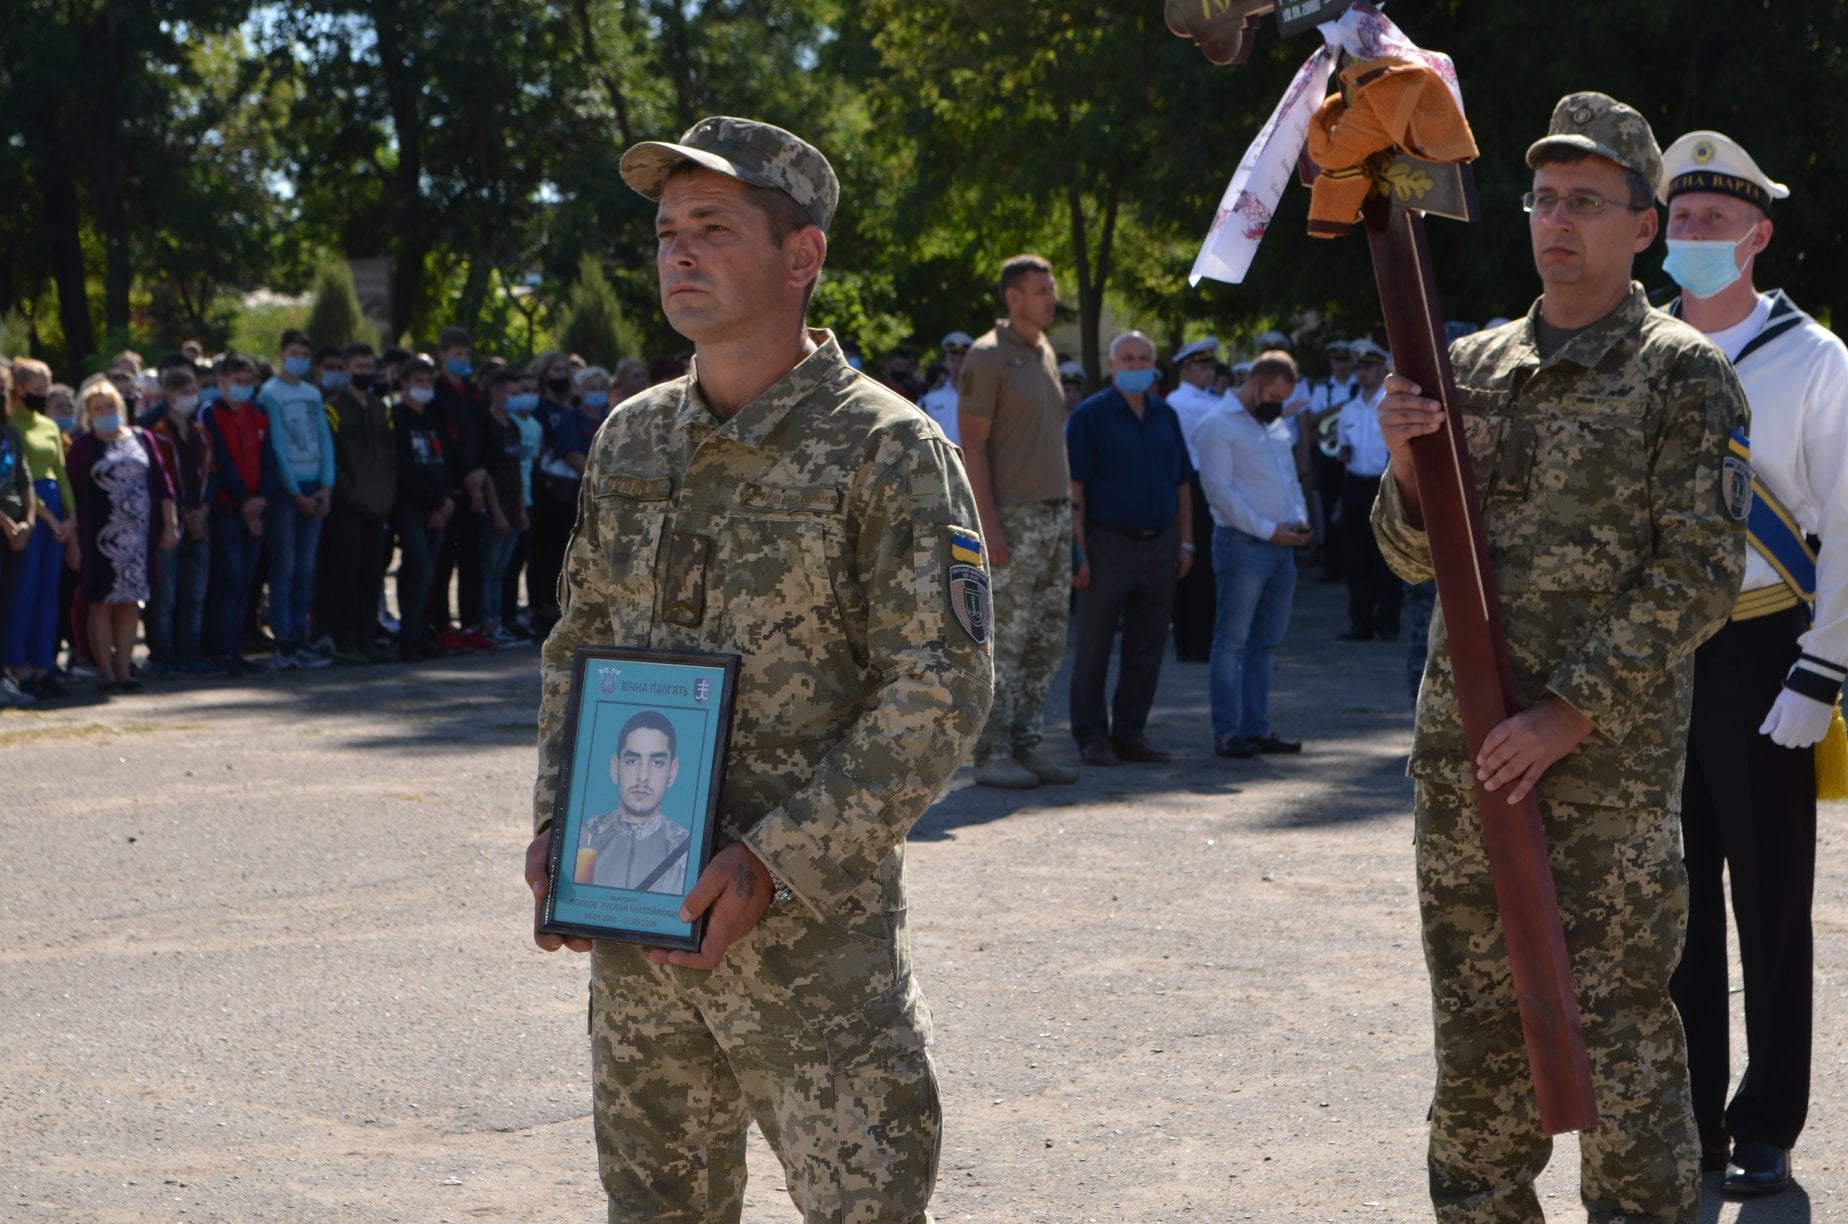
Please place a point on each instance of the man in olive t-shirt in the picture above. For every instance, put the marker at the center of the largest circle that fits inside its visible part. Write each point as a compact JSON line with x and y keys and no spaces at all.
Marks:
{"x":1011,"y":411}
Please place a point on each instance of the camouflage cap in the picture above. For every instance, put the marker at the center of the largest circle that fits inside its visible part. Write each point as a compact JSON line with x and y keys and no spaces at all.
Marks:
{"x":1598,"y":123}
{"x":761,"y":154}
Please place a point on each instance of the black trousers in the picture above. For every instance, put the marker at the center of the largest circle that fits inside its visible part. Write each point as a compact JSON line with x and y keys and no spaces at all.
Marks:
{"x":349,"y":576}
{"x":1374,"y":591}
{"x":1196,"y":600}
{"x":1748,"y":807}
{"x":1330,"y":476}
{"x":1132,"y":582}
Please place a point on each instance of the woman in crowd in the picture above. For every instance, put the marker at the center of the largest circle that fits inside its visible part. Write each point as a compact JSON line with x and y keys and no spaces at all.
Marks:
{"x":125,"y":516}
{"x":31,"y":644}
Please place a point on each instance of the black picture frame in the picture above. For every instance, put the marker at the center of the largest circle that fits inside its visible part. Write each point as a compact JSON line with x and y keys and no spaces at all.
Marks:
{"x":637,"y":721}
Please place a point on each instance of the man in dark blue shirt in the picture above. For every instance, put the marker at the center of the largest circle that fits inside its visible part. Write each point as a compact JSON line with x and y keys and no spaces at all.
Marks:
{"x":1132,"y":523}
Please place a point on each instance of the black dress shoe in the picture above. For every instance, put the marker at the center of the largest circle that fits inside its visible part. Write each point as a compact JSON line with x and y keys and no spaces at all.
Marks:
{"x":1757,"y":1169}
{"x":1237,"y":747}
{"x":1138,"y":748}
{"x":1271,"y":743}
{"x":1098,"y":752}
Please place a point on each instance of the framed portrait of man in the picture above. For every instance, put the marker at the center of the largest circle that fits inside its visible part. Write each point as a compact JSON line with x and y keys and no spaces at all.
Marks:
{"x":638,"y":792}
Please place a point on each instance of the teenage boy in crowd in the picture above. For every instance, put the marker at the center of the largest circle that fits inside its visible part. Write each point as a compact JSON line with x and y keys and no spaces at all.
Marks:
{"x":243,"y":484}
{"x":507,"y":519}
{"x":355,"y":551}
{"x":304,"y":450}
{"x":176,"y":613}
{"x":464,"y":411}
{"x":424,"y":505}
{"x":524,"y":406}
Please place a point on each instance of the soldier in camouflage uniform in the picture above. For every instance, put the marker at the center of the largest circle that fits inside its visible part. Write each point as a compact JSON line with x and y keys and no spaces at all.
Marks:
{"x":1011,"y":411}
{"x":776,"y":504}
{"x":1597,"y":428}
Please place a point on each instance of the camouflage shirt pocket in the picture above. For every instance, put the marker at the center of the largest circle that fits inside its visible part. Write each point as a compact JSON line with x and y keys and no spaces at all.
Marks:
{"x":631,"y":521}
{"x":1590,"y":492}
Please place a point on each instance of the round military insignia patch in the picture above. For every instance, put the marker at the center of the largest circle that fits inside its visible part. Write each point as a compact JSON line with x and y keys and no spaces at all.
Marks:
{"x":1582,"y":116}
{"x":1736,"y":486}
{"x":970,"y":600}
{"x":1703,"y":152}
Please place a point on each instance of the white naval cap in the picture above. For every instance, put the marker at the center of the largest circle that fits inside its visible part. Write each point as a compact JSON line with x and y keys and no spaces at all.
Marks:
{"x":1273,"y":339}
{"x":1205,"y":346}
{"x":1070,"y":371}
{"x":1714,"y":161}
{"x":957,"y":342}
{"x":1365,"y":349}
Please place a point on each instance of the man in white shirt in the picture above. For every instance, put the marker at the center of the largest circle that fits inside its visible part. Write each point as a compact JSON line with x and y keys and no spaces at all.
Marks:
{"x":1248,"y":468}
{"x":1327,"y":396}
{"x":939,"y":403}
{"x":1193,"y":400}
{"x":1374,"y":591}
{"x":1766,"y":683}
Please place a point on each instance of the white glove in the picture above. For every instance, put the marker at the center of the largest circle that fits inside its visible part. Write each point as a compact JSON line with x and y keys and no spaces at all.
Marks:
{"x":1796,"y":721}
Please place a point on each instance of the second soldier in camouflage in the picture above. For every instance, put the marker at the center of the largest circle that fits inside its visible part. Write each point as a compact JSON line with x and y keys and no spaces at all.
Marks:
{"x":1597,"y":429}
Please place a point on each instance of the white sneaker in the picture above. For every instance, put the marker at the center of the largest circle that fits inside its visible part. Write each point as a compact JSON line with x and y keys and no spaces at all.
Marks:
{"x":11,"y":694}
{"x":281,"y":660}
{"x":310,"y":659}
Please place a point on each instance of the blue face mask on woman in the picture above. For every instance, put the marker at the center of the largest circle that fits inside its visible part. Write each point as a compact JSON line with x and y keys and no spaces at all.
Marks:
{"x":1704,"y":268}
{"x":106,"y":424}
{"x":1134,"y":382}
{"x":597,"y":399}
{"x":523,"y":403}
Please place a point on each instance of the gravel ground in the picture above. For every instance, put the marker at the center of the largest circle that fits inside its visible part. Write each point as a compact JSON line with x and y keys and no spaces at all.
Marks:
{"x":264,"y":955}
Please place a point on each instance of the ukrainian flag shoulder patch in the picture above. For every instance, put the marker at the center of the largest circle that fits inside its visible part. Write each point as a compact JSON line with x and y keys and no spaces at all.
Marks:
{"x":971,"y":602}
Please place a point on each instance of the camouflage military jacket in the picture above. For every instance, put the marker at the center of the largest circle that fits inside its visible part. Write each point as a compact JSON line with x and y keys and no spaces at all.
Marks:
{"x":1602,"y":481}
{"x":811,"y":534}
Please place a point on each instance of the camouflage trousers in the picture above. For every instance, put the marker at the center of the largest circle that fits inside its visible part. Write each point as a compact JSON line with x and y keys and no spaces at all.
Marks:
{"x":1032,"y":594}
{"x":1623,"y":899}
{"x":814,"y":1029}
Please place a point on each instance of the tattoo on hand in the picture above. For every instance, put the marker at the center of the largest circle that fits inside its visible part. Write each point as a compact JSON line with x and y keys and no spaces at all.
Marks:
{"x":743,"y":882}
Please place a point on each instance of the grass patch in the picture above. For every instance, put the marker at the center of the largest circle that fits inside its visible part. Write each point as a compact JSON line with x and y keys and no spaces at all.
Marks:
{"x":13,"y":737}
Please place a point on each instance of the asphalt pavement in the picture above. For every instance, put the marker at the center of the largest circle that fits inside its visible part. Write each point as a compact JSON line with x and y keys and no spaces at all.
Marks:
{"x":265,"y":955}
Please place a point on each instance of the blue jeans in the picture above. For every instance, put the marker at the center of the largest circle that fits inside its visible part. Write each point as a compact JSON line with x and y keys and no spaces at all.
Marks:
{"x":33,"y":610}
{"x":294,"y":539}
{"x":496,"y":552}
{"x":1256,"y":583}
{"x":234,"y":567}
{"x":176,"y":613}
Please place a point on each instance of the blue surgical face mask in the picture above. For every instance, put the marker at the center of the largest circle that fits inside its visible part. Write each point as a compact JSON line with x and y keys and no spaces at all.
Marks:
{"x":525,"y":402}
{"x":106,"y":424}
{"x":1134,"y":382}
{"x":66,"y":424}
{"x":240,"y":393}
{"x":1703,"y":268}
{"x":458,"y":367}
{"x":208,"y":395}
{"x":333,"y":381}
{"x":597,"y":399}
{"x":297,"y":366}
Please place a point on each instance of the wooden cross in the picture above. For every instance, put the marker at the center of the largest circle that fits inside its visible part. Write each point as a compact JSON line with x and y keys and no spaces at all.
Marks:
{"x":1405,"y":188}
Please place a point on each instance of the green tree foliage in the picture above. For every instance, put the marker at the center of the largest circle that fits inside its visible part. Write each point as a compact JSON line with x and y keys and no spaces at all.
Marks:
{"x":167,"y":157}
{"x":594,"y":327}
{"x":336,"y":317}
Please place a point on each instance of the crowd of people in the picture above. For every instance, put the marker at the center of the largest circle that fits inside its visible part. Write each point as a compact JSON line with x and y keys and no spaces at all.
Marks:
{"x":241,"y":514}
